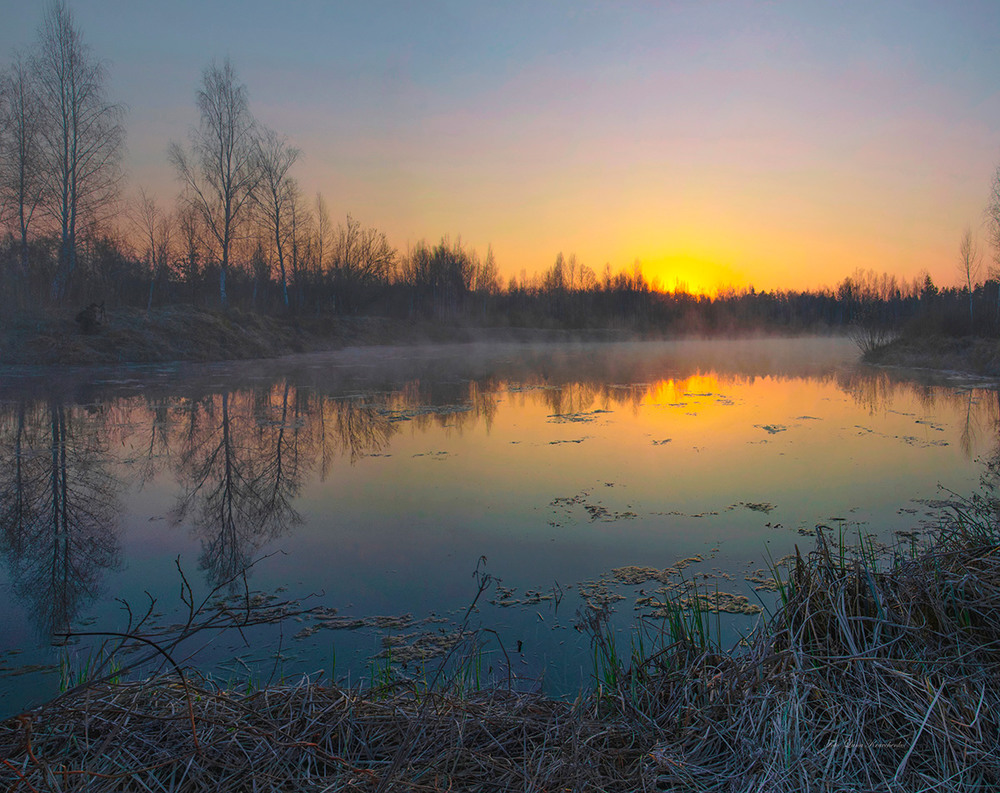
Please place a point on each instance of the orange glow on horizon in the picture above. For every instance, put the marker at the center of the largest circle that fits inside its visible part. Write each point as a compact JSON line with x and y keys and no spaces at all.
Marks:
{"x":693,"y":274}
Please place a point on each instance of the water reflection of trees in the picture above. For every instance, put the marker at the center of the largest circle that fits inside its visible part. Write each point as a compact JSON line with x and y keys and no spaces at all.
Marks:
{"x":241,"y":456}
{"x":350,"y":427}
{"x":58,"y":507}
{"x":877,"y":392}
{"x":240,"y":467}
{"x":156,"y":427}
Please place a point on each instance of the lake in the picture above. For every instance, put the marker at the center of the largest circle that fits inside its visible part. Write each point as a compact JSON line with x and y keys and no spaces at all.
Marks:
{"x":378,"y":487}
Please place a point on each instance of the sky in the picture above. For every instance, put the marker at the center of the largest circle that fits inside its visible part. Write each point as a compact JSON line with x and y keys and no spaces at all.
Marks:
{"x":782,"y":145}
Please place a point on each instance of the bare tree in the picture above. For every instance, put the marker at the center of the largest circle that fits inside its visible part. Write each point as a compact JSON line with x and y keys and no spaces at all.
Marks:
{"x":323,"y":229}
{"x":22,"y":172}
{"x":969,"y":264}
{"x":993,"y":231}
{"x":276,"y":195}
{"x":302,"y":248}
{"x":189,"y":227}
{"x":486,"y":278}
{"x":155,"y":228}
{"x":361,"y":257}
{"x":83,"y":133}
{"x":220,"y":172}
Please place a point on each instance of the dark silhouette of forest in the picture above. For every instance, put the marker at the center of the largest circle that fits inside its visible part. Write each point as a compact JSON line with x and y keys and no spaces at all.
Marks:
{"x":242,"y":234}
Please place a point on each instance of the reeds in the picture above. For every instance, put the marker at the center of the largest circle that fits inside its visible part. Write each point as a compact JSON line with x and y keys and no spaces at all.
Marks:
{"x":877,"y":672}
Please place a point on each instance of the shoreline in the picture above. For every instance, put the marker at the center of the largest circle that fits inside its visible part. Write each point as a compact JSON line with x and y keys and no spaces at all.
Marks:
{"x":964,"y":355}
{"x":186,"y":334}
{"x":874,"y":672}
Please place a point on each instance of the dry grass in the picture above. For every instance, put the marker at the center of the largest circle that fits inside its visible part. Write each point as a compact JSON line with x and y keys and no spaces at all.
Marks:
{"x":188,"y":333}
{"x":865,"y":680}
{"x":876,"y":673}
{"x":181,"y":333}
{"x":308,"y":737}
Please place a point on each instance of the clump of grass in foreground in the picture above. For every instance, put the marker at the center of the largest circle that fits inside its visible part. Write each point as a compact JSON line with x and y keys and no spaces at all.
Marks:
{"x":874,"y":674}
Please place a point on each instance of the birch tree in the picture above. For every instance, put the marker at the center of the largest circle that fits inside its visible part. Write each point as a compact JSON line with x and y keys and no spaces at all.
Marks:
{"x":323,"y":230}
{"x":82,"y":132}
{"x":993,"y":230}
{"x":22,"y":173}
{"x":969,"y":261}
{"x":276,"y":195}
{"x":220,"y":170}
{"x":155,"y":229}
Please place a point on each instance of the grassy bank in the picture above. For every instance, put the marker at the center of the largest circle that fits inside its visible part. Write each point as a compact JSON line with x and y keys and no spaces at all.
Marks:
{"x":876,"y":673}
{"x":959,"y":354}
{"x":178,"y":333}
{"x":187,"y":333}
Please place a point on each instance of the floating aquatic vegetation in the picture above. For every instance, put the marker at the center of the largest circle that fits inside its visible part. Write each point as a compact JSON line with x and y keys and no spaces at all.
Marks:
{"x":763,"y":581}
{"x":635,"y":575}
{"x":576,"y":418}
{"x":421,"y":646}
{"x":712,"y":602}
{"x":408,"y":414}
{"x":598,"y":595}
{"x":532,"y":597}
{"x":599,"y":512}
{"x":683,"y":563}
{"x":565,"y":500}
{"x":909,"y":440}
{"x":329,"y":621}
{"x":595,"y":510}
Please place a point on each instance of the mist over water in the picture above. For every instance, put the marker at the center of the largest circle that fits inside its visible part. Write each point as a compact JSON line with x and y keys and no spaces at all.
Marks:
{"x":375,"y":480}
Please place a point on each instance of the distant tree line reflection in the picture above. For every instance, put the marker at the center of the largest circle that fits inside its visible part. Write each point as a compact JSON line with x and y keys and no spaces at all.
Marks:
{"x":240,"y":458}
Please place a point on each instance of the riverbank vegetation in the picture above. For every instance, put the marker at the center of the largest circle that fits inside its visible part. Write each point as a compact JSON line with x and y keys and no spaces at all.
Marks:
{"x":877,"y":671}
{"x":957,"y":330}
{"x":970,"y":354}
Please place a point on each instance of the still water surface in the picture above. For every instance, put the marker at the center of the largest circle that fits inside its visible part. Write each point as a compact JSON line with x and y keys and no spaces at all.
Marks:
{"x":373,"y":482}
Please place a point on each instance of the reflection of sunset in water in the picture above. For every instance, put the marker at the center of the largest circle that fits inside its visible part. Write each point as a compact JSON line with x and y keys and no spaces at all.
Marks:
{"x":381,"y":487}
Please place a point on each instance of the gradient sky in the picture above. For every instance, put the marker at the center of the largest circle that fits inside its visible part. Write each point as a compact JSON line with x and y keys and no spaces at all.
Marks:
{"x":779,"y":144}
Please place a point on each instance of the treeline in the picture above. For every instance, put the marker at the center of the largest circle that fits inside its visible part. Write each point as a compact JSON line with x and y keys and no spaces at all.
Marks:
{"x":242,"y":233}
